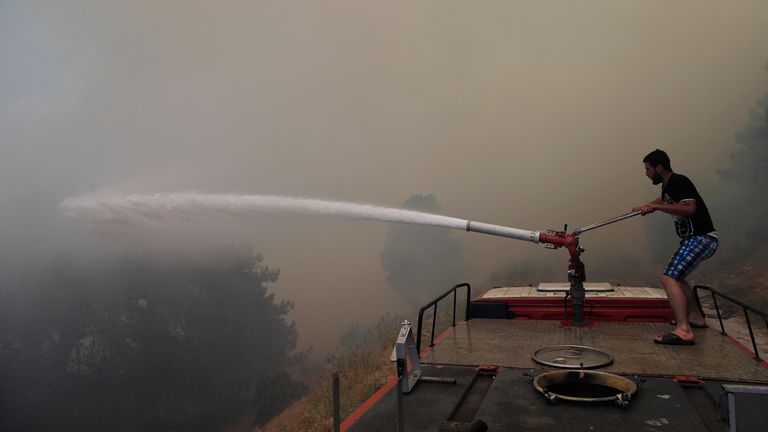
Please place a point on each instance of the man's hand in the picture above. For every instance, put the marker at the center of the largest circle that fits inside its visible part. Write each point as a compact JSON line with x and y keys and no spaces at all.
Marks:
{"x":645,"y":209}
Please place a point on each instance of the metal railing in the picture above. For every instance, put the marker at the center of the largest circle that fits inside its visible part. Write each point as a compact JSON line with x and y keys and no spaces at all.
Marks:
{"x":433,"y":304}
{"x":744,"y":307}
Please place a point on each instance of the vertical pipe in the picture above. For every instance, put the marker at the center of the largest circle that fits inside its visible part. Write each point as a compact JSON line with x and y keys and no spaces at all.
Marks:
{"x":717,"y":308}
{"x":453,"y":323}
{"x":401,"y":373}
{"x":698,"y":301}
{"x":434,"y":318}
{"x":469,"y":296}
{"x":418,"y":331}
{"x":336,"y":403}
{"x":751,"y":334}
{"x":577,"y":295}
{"x":732,"y":412}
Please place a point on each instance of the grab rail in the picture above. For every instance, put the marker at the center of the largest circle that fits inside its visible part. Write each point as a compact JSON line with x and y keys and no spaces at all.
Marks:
{"x":744,"y":307}
{"x":433,"y":304}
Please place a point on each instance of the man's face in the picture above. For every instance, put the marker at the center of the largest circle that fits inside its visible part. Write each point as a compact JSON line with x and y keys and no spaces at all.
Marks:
{"x":653,"y":173}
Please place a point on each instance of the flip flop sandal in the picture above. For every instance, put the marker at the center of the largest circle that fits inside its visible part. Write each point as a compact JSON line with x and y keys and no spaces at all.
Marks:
{"x":673,"y":339}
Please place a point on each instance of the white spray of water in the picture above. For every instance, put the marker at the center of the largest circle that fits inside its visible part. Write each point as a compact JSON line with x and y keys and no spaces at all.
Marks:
{"x":159,"y":208}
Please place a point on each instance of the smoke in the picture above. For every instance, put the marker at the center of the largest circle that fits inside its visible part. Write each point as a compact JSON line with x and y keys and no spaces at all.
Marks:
{"x":421,"y":263}
{"x":750,"y":163}
{"x":524,"y":114}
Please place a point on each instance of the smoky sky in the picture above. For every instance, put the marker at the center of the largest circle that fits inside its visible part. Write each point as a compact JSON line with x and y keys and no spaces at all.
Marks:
{"x":528,"y":114}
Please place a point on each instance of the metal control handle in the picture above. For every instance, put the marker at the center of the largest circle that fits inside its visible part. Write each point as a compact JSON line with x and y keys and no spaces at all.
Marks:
{"x":607,"y":222}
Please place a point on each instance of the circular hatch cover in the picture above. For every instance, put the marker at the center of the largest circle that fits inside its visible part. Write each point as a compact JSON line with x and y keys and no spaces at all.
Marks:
{"x":572,"y":357}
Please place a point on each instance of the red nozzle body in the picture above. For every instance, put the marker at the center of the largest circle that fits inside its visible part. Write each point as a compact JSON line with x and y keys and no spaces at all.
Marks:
{"x":560,"y":239}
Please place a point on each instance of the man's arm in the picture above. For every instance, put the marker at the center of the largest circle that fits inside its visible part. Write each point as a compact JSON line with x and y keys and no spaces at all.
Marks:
{"x":649,"y":208}
{"x":685,"y":207}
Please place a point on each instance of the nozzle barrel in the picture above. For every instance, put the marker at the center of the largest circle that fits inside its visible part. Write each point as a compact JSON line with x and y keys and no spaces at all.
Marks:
{"x":502,"y":231}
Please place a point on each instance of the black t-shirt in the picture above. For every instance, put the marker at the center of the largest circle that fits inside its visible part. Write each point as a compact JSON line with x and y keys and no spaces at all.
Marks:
{"x":680,"y":188}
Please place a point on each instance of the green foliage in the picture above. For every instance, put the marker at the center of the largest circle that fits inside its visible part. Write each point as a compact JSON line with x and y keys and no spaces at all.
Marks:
{"x":382,"y":333}
{"x":421,"y":262}
{"x":749,"y":170}
{"x":145,"y":344}
{"x":363,"y":363}
{"x":750,"y":163}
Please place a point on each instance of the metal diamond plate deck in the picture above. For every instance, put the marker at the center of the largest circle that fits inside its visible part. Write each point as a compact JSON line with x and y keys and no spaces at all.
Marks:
{"x":510,"y":343}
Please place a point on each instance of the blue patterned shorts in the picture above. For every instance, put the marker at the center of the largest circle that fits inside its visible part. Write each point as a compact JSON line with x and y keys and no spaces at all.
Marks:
{"x":692,"y":251}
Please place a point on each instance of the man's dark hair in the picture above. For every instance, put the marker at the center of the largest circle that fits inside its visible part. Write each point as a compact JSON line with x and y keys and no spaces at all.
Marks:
{"x":658,"y":157}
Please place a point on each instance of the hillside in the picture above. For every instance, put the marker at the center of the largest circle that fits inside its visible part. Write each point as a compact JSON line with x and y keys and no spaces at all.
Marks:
{"x":745,"y":278}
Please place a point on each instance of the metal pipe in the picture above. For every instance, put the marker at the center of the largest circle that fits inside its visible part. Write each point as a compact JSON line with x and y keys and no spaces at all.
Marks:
{"x":467,"y":317}
{"x":418,"y":330}
{"x":536,"y":236}
{"x":732,"y":412}
{"x":553,"y":239}
{"x":502,"y":231}
{"x":453,"y":321}
{"x":576,"y":278}
{"x":717,"y":308}
{"x":607,"y":222}
{"x":401,"y":371}
{"x":751,"y":334}
{"x":434,"y":319}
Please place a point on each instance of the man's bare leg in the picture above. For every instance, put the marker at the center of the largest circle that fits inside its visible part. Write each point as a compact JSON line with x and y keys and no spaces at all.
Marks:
{"x":679,"y":303}
{"x":695,"y":318}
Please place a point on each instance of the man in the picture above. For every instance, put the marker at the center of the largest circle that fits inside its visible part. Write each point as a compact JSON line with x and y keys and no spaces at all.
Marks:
{"x":698,"y":241}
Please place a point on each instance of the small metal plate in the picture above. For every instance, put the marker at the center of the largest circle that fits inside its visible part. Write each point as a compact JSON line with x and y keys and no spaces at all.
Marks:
{"x":572,"y":357}
{"x":563,"y":287}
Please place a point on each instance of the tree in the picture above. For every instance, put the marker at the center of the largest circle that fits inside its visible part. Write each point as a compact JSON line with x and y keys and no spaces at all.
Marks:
{"x":749,"y":170}
{"x":146,"y":344}
{"x":750,"y":163}
{"x":421,"y":262}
